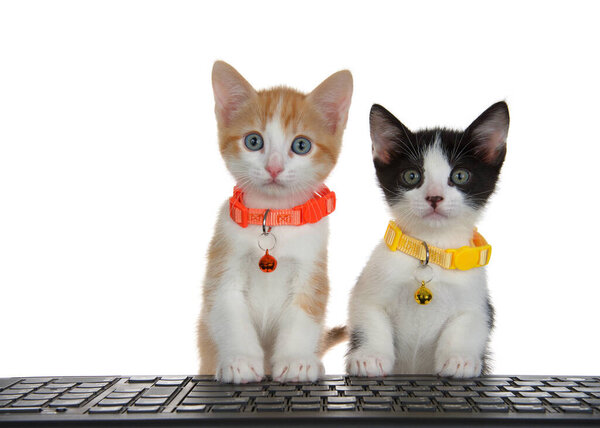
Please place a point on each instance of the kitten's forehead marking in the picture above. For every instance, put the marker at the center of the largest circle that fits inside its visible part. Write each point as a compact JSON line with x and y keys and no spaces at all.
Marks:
{"x":436,"y":166}
{"x":276,"y":135}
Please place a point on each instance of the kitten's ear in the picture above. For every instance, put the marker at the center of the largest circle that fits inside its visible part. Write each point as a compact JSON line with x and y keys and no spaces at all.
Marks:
{"x":332,"y":99}
{"x":231,"y":91}
{"x":388,"y":134}
{"x":489,"y":132}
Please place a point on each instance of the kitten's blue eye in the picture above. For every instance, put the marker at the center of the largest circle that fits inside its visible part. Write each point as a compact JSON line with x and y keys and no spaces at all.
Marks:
{"x":301,"y":145}
{"x":460,"y":176}
{"x":254,"y":142}
{"x":411,"y":177}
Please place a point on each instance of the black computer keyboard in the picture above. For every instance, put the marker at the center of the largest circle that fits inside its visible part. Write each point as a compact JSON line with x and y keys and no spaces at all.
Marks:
{"x":334,"y":400}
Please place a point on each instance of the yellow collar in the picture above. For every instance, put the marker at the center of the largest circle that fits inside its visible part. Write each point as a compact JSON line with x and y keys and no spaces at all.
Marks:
{"x":463,"y":258}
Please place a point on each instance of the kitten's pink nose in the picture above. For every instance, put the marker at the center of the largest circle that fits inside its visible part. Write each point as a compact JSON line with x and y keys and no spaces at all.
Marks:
{"x":274,"y":170}
{"x":434,"y":200}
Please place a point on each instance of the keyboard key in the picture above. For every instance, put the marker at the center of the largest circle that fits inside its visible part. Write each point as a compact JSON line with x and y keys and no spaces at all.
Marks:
{"x":27,"y":386}
{"x":5,"y":383}
{"x":150,"y":401}
{"x":524,"y":400}
{"x":421,"y":408}
{"x":592,"y":401}
{"x":451,"y":400}
{"x":113,"y":409}
{"x":193,"y":408}
{"x":562,"y":401}
{"x":499,"y":394}
{"x":93,"y":385}
{"x":342,"y":400}
{"x":270,"y":407}
{"x":269,"y":400}
{"x":163,"y":382}
{"x":67,"y":403}
{"x":70,"y":396}
{"x":214,"y":394}
{"x":327,"y":393}
{"x":143,"y":409}
{"x":29,"y":403}
{"x":226,"y":408}
{"x":219,"y":401}
{"x":377,"y":388}
{"x":61,"y":386}
{"x":85,"y":390}
{"x":527,"y":408}
{"x":358,"y":393}
{"x":4,"y":402}
{"x":35,"y":396}
{"x":305,"y":407}
{"x":554,"y":389}
{"x":20,"y":410}
{"x":571,"y":394}
{"x":306,"y":400}
{"x":142,"y":379}
{"x":349,"y":388}
{"x":319,"y":388}
{"x":121,"y":395}
{"x":537,"y":394}
{"x":377,"y":407}
{"x":10,"y":397}
{"x":457,"y":408}
{"x":463,"y":394}
{"x":159,"y":391}
{"x":520,"y":388}
{"x":428,"y":394}
{"x":334,"y":407}
{"x":565,"y":384}
{"x":576,"y":409}
{"x":488,"y":400}
{"x":294,"y":393}
{"x":37,"y":380}
{"x":114,"y":402}
{"x":253,"y":393}
{"x":414,"y":400}
{"x":502,"y":408}
{"x":376,"y":400}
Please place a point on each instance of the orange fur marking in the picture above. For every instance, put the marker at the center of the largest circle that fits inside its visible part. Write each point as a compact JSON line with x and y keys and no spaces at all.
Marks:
{"x":314,"y":300}
{"x":215,"y":268}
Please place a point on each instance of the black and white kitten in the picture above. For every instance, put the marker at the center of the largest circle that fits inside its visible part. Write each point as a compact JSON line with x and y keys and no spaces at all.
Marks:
{"x":436,"y":182}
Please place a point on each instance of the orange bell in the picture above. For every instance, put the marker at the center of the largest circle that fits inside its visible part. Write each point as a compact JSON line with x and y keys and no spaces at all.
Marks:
{"x":267,"y":263}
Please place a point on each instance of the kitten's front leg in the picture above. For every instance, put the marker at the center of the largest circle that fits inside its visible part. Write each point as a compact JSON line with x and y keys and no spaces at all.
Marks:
{"x":461,"y":346}
{"x":240,"y":355}
{"x":295,"y":353}
{"x":371,"y":350}
{"x":299,"y":332}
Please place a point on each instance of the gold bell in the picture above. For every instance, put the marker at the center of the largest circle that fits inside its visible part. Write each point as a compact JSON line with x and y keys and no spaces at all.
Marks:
{"x":423,"y":295}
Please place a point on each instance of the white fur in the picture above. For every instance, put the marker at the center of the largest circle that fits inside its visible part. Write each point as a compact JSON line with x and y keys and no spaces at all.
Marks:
{"x":449,"y":335}
{"x":253,"y":317}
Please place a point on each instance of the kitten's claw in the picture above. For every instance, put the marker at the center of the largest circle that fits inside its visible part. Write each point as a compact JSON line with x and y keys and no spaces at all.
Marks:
{"x":458,"y":366}
{"x":365,"y":364}
{"x":240,"y":370}
{"x":307,"y":369}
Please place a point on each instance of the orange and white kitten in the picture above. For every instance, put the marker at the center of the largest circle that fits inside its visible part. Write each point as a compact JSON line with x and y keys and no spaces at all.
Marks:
{"x":254,"y":323}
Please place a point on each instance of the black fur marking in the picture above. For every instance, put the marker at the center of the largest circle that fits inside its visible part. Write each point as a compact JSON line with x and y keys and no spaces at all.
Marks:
{"x":356,"y":341}
{"x":487,"y":355}
{"x":464,"y":149}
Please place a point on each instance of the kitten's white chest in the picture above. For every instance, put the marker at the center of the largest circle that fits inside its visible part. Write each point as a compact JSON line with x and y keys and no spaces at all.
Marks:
{"x":417,"y":327}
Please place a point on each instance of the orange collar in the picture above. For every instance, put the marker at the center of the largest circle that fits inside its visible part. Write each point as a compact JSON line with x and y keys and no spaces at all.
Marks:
{"x":313,"y":210}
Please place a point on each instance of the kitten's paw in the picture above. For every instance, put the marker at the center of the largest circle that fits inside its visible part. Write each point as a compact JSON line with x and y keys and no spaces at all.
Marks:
{"x":240,"y":370}
{"x":458,"y":366}
{"x":303,"y":369}
{"x":368,"y":364}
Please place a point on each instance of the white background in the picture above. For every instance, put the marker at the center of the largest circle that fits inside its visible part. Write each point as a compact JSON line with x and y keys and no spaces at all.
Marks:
{"x":110,"y":177}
